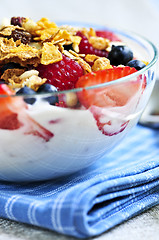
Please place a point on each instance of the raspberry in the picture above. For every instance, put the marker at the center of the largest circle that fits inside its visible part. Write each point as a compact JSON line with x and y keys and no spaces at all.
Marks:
{"x":63,"y":75}
{"x":86,"y":48}
{"x":108,"y":34}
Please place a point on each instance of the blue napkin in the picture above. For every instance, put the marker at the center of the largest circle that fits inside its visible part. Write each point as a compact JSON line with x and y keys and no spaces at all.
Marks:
{"x":117,"y":187}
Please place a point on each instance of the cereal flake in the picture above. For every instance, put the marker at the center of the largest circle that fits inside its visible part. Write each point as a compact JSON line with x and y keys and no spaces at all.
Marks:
{"x":50,"y":54}
{"x":17,"y":52}
{"x":44,"y":29}
{"x":91,"y":57}
{"x":28,"y":78}
{"x":84,"y":65}
{"x":99,"y":42}
{"x":101,"y":63}
{"x":12,"y":74}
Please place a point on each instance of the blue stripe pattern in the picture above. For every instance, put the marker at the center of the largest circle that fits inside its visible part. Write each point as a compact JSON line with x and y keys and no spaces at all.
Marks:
{"x":94,"y":200}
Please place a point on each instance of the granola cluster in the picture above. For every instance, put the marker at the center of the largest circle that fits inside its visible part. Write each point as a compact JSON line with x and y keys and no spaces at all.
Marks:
{"x":29,"y":43}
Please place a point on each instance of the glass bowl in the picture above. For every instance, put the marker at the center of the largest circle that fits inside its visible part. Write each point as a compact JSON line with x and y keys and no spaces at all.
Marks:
{"x":52,"y":141}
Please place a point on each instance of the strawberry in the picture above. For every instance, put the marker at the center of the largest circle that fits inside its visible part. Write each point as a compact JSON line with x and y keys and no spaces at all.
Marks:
{"x":105,"y":122}
{"x":13,"y":115}
{"x":99,"y":100}
{"x":8,"y":120}
{"x":116,"y":95}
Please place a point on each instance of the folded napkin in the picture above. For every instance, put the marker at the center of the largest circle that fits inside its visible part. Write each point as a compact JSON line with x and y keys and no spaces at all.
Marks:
{"x":117,"y":187}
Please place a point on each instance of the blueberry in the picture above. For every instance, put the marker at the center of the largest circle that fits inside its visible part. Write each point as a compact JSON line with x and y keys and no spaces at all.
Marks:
{"x":136,"y":64}
{"x":28,"y":91}
{"x":10,"y":65}
{"x":120,"y":55}
{"x":2,"y":81}
{"x":48,"y":88}
{"x":68,"y":47}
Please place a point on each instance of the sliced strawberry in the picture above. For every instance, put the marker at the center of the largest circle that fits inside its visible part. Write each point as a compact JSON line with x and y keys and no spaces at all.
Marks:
{"x":5,"y":90}
{"x":34,"y":128}
{"x":116,"y":95}
{"x":13,"y":115}
{"x":108,"y":34}
{"x":9,"y":121}
{"x":105,"y":123}
{"x":99,"y":100}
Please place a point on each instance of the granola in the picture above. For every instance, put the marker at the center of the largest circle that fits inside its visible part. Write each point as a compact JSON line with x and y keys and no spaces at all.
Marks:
{"x":18,"y":52}
{"x":31,"y":43}
{"x":101,"y":64}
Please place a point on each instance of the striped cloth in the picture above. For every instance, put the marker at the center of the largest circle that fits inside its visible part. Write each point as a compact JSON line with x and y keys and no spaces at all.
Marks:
{"x":117,"y":187}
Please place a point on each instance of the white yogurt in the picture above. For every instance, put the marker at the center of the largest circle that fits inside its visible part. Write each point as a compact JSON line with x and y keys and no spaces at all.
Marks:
{"x":76,"y":142}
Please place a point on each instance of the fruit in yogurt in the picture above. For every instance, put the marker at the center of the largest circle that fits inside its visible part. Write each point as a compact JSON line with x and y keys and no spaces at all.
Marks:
{"x":41,"y":57}
{"x":96,"y":100}
{"x":27,"y":91}
{"x":108,"y":96}
{"x":14,"y":115}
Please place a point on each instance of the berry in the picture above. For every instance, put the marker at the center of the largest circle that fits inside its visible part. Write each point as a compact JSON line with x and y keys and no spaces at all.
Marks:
{"x":10,"y":65}
{"x":105,"y":124}
{"x":107,"y":34}
{"x":118,"y":96}
{"x":5,"y":90}
{"x":13,"y":115}
{"x":16,"y":21}
{"x":27,"y":91}
{"x":120,"y":55}
{"x":48,"y":88}
{"x":98,"y":99}
{"x":86,"y":48}
{"x":136,"y":64}
{"x":68,"y":47}
{"x":2,"y":82}
{"x":63,"y":74}
{"x":8,"y":118}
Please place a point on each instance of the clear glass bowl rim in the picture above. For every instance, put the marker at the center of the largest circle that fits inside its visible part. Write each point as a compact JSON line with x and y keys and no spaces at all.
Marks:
{"x":114,"y":82}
